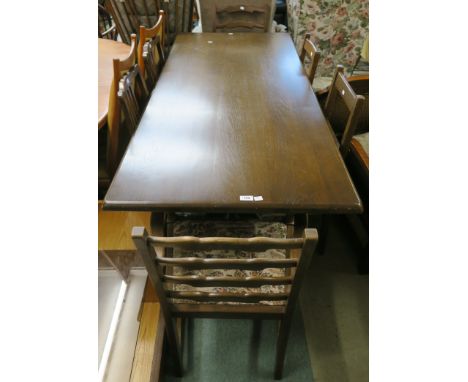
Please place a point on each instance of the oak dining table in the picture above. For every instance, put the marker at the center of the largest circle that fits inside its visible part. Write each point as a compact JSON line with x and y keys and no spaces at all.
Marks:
{"x":233,"y":125}
{"x":107,"y":51}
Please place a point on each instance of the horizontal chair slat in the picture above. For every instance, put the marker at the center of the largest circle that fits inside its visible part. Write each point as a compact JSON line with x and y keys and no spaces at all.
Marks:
{"x":227,"y":243}
{"x":209,"y":281}
{"x":236,"y":8}
{"x":248,"y":264}
{"x":228,"y":297}
{"x":239,"y":24}
{"x":228,"y":311}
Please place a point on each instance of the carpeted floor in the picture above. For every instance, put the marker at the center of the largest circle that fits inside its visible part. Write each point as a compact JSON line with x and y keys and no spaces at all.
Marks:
{"x":335,"y":304}
{"x":240,"y":351}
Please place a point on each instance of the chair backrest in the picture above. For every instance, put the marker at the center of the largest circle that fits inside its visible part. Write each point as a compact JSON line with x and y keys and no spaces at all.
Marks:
{"x":106,"y":25}
{"x":236,"y":16}
{"x":132,"y":96}
{"x":310,"y":52}
{"x":241,"y":18}
{"x":116,"y":136}
{"x":341,"y":93}
{"x":160,"y":268}
{"x":360,"y":85}
{"x":152,"y":43}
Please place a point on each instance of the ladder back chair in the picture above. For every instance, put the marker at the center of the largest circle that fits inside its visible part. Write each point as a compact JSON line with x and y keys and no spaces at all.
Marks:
{"x":222,"y":277}
{"x":151,"y":44}
{"x":241,"y":18}
{"x":310,"y":52}
{"x":113,"y":140}
{"x":106,"y":25}
{"x":342,"y":94}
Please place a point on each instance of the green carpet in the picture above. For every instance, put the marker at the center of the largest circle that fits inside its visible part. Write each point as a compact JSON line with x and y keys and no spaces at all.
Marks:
{"x":239,"y":350}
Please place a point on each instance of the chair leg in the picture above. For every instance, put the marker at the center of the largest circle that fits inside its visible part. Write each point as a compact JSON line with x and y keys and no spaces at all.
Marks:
{"x":323,"y":230}
{"x":281,"y":343}
{"x":174,"y":348}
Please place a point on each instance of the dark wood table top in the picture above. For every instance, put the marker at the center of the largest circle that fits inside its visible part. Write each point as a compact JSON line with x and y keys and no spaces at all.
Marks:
{"x":107,"y":51}
{"x":233,"y":115}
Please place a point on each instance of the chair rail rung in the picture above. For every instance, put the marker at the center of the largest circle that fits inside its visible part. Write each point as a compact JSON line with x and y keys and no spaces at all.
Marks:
{"x":227,"y":296}
{"x":210,"y":281}
{"x":244,"y":264}
{"x":228,"y":311}
{"x":254,"y":244}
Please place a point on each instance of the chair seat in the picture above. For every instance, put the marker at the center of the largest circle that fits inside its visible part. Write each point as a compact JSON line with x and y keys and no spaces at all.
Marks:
{"x":360,"y":150}
{"x":244,"y":229}
{"x":363,"y":140}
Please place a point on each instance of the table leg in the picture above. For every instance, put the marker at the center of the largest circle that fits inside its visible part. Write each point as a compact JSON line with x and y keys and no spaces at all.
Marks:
{"x":322,"y":223}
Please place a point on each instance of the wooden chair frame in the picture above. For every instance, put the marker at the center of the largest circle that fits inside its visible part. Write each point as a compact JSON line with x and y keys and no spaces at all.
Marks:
{"x":340,"y":89}
{"x":157,"y":264}
{"x":152,"y":39}
{"x":309,"y":50}
{"x":227,"y":26}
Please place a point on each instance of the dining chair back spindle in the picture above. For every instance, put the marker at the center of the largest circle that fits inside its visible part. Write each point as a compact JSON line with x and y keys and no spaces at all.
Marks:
{"x":151,"y":44}
{"x":312,"y":54}
{"x":341,"y":93}
{"x":238,"y":292}
{"x":106,"y":25}
{"x":132,"y":96}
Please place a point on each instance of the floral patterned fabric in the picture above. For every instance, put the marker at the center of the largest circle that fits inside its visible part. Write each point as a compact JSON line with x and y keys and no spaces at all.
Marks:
{"x":243,"y":229}
{"x":338,"y":28}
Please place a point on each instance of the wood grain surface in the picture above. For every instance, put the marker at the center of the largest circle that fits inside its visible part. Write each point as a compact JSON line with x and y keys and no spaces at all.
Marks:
{"x":107,"y":50}
{"x":231,"y":115}
{"x":148,"y":350}
{"x":115,"y":228}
